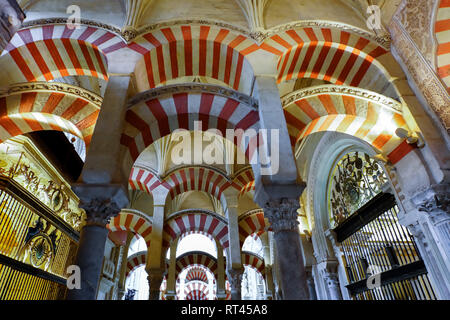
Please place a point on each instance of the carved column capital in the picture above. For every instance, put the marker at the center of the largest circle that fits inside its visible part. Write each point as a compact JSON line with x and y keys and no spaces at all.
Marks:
{"x":99,"y":211}
{"x":235,"y":278}
{"x":155,"y":279}
{"x":330,"y":278}
{"x":435,"y":202}
{"x":282,"y":214}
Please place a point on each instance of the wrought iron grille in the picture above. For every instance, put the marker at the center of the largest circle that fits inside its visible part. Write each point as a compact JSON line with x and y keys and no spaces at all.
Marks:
{"x":371,"y":237}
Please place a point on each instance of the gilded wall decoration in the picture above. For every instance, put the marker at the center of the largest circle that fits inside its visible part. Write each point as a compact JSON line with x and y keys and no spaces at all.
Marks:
{"x":22,"y":166}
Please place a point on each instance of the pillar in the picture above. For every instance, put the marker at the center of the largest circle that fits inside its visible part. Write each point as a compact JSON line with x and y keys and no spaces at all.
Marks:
{"x":431,"y":230}
{"x":89,"y":257}
{"x":221,"y":292}
{"x":277,"y":189}
{"x":282,"y":214}
{"x":235,"y":279}
{"x":123,"y":267}
{"x":423,"y":198}
{"x":235,"y":270}
{"x":171,"y":279}
{"x":268,"y":279}
{"x":11,"y":16}
{"x":155,"y":278}
{"x":101,"y":188}
{"x":156,"y":263}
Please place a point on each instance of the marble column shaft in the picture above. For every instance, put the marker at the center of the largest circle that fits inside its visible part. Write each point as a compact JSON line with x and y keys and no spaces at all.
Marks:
{"x":91,"y":247}
{"x":282,"y":215}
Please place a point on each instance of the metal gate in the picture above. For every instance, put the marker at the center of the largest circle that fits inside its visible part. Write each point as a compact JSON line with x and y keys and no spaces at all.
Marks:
{"x":380,"y":256}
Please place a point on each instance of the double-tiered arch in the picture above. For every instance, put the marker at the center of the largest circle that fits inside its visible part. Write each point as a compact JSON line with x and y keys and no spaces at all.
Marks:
{"x":36,"y":106}
{"x":361,"y":113}
{"x":180,"y":50}
{"x":51,"y":49}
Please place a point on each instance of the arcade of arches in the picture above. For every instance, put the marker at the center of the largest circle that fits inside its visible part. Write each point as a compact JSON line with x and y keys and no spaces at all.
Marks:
{"x":225,"y":149}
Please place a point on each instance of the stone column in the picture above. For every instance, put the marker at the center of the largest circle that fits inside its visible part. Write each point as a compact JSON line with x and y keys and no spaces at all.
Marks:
{"x":332,"y":282}
{"x":235,"y":279}
{"x":235,"y":269}
{"x":155,"y":279}
{"x":171,"y":279}
{"x":156,"y":263}
{"x":269,"y":283}
{"x":282,"y":215}
{"x":11,"y":18}
{"x":268,"y":279}
{"x":123,"y":267}
{"x":92,"y":246}
{"x":431,"y":230}
{"x":221,"y":293}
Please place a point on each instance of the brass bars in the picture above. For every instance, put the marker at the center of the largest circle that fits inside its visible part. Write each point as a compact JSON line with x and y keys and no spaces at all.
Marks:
{"x":36,"y":247}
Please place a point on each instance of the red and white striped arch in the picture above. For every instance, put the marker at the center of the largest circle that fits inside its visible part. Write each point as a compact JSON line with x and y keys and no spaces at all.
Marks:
{"x":249,"y":189}
{"x":254,"y":261}
{"x":145,"y":180}
{"x":194,"y":178}
{"x":44,"y":53}
{"x":198,"y":179}
{"x":361,"y":117}
{"x":196,"y":291}
{"x":251,"y":223}
{"x":23,"y":112}
{"x":442,"y":31}
{"x":135,"y":261}
{"x":134,"y":222}
{"x":333,"y":55}
{"x":243,"y":178}
{"x":197,"y":274}
{"x":202,"y":220}
{"x":153,"y":119}
{"x":196,"y":258}
{"x":194,"y":50}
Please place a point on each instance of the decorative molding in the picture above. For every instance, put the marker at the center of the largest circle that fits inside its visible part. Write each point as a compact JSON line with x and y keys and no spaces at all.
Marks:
{"x":416,"y":17}
{"x":152,"y":27}
{"x":260,"y":36}
{"x":250,"y":213}
{"x":435,"y":201}
{"x":383,"y":41}
{"x":421,"y":72}
{"x":19,"y":88}
{"x":33,"y":172}
{"x":193,"y":88}
{"x":63,"y":21}
{"x":342,"y":90}
{"x":282,"y":214}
